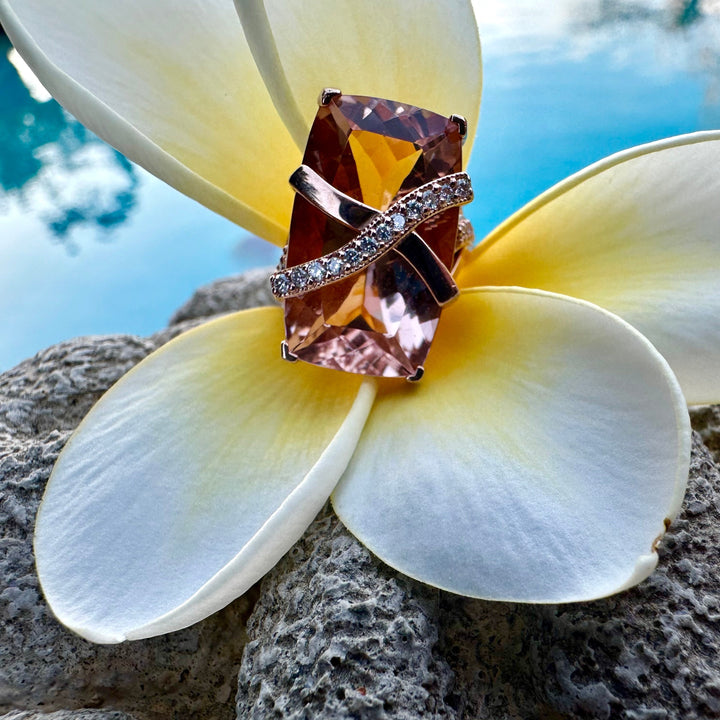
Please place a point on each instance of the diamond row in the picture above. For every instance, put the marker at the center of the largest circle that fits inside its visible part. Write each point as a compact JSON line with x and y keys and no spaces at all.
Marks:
{"x":381,"y":234}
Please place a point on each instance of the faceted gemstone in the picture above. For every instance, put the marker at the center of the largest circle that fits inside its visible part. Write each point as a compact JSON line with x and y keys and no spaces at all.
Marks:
{"x":369,"y":245}
{"x":398,"y":221}
{"x":384,"y":232}
{"x":335,"y":266}
{"x":352,"y":256}
{"x":381,"y":320}
{"x":299,"y":277}
{"x":282,"y":283}
{"x":316,"y":271}
{"x":414,"y":210}
{"x":462,"y":186}
{"x":446,"y":193}
{"x":430,"y":200}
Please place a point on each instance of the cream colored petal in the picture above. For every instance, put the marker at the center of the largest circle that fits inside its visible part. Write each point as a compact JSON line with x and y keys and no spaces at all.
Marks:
{"x":536,"y":461}
{"x":638,"y":234}
{"x":175,"y":88}
{"x":424,"y":53}
{"x":191,"y":478}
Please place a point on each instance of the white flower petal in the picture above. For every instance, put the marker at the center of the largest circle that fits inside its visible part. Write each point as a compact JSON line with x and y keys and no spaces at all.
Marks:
{"x":190,"y":478}
{"x":636,"y":233}
{"x":536,"y":461}
{"x":425,"y":53}
{"x":175,"y":88}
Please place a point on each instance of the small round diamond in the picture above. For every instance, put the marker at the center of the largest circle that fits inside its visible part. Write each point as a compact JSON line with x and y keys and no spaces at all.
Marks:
{"x":299,"y":276}
{"x":316,"y":271}
{"x":462,"y":187}
{"x":281,"y":284}
{"x":384,"y":232}
{"x":369,"y":244}
{"x":334,"y":266}
{"x":352,"y":256}
{"x":398,"y":222}
{"x":446,"y":194}
{"x":413,"y":209}
{"x":430,"y":200}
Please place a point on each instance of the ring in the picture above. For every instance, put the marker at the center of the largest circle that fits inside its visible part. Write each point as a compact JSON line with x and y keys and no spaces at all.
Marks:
{"x":375,"y":235}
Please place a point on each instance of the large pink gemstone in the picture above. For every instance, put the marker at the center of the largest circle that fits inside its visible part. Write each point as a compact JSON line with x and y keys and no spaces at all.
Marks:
{"x":380,"y":321}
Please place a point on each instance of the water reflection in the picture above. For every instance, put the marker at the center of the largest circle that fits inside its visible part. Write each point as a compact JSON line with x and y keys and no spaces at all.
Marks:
{"x":671,"y":14}
{"x":687,"y":32}
{"x":55,"y":169}
{"x":566,"y":83}
{"x":574,"y":28}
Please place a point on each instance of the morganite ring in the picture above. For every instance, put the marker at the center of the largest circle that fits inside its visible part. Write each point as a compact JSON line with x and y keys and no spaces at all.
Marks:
{"x":375,"y":235}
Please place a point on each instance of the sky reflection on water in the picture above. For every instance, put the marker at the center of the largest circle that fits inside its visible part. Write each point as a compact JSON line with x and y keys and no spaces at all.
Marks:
{"x":90,"y":243}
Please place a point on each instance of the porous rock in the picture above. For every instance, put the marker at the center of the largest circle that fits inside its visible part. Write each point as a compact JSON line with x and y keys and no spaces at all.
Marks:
{"x":337,"y":634}
{"x":68,"y":715}
{"x":650,"y":653}
{"x":43,"y":666}
{"x":252,"y":289}
{"x":706,"y":421}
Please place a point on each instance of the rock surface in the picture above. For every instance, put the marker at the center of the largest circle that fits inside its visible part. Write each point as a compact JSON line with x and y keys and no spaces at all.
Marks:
{"x":706,"y":420}
{"x":651,"y":653}
{"x":68,"y":715}
{"x":335,"y":633}
{"x":332,"y":619}
{"x":234,"y":293}
{"x":191,"y":673}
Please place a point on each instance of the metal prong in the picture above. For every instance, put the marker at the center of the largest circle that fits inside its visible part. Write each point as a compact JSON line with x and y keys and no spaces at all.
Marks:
{"x":328,"y":94}
{"x":285,"y":352}
{"x":418,"y":374}
{"x":461,"y":122}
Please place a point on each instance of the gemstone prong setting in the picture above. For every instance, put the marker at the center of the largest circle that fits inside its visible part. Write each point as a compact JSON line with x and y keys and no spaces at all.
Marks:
{"x":286,"y":354}
{"x":327,"y":95}
{"x":462,"y":123}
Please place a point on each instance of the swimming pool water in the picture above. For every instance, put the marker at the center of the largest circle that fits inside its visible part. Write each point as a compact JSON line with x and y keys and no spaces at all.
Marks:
{"x":90,"y":243}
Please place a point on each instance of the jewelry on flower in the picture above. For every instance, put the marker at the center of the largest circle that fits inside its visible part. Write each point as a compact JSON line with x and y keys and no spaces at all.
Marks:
{"x":375,"y":235}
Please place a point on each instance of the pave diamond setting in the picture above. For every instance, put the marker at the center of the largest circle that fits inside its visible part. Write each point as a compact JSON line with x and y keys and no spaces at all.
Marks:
{"x":382,"y":233}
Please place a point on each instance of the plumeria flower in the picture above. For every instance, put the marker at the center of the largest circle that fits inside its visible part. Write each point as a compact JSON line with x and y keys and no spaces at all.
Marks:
{"x":547,"y":447}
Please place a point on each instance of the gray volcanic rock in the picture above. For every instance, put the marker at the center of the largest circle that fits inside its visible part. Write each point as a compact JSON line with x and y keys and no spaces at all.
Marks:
{"x":191,"y":673}
{"x":650,"y":653}
{"x":68,"y":715}
{"x":55,"y":389}
{"x":706,"y":421}
{"x":337,"y":634}
{"x":252,"y":289}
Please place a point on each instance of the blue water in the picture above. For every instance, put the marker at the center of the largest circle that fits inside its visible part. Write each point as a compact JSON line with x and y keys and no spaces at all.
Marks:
{"x":90,"y":243}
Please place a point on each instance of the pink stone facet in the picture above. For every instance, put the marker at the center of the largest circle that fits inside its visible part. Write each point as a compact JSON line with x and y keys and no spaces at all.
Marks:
{"x":380,"y":321}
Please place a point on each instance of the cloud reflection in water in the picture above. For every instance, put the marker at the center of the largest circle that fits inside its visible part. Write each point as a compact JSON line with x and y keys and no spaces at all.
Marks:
{"x":55,"y":169}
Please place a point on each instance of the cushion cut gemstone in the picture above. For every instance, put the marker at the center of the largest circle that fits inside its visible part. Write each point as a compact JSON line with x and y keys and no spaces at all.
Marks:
{"x":380,"y":321}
